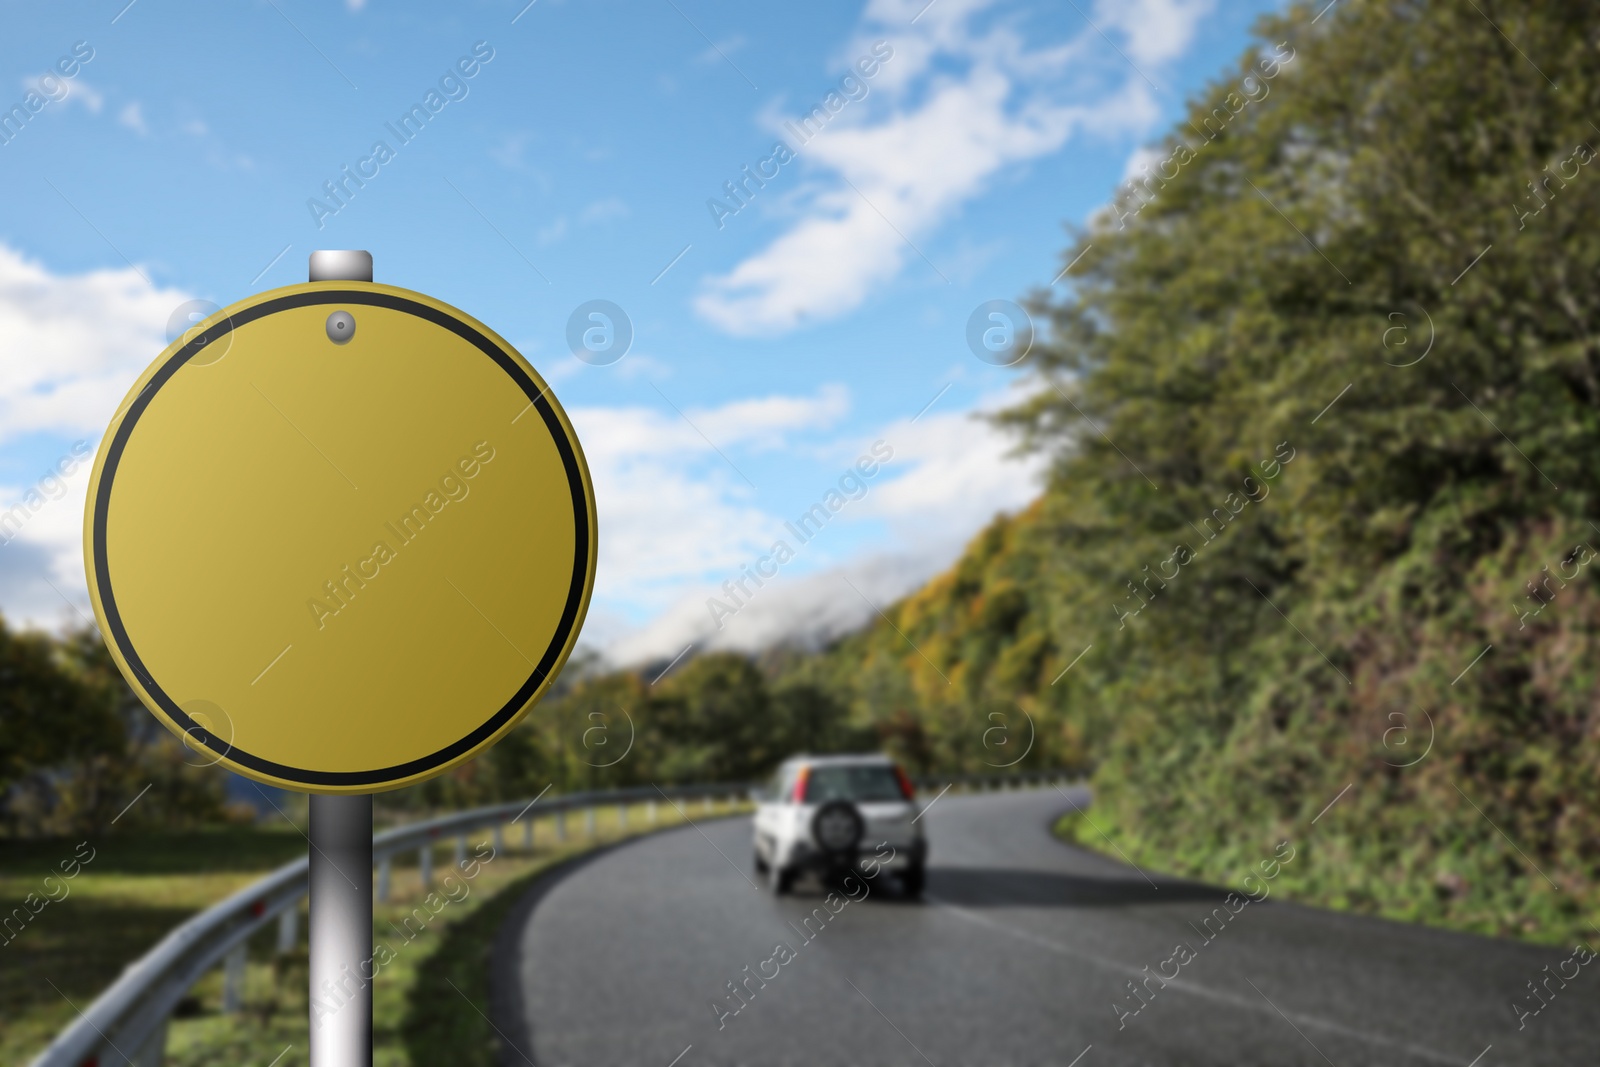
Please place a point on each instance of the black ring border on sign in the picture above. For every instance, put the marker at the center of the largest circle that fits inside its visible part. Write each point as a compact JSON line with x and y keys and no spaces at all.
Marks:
{"x":384,"y":776}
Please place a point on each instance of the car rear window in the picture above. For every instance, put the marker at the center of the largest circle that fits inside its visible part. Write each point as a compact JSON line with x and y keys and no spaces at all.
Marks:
{"x":867,"y":782}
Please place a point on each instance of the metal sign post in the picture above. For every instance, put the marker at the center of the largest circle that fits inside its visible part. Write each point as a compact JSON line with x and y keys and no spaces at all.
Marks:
{"x":340,"y":927}
{"x":341,"y":537}
{"x":341,"y":931}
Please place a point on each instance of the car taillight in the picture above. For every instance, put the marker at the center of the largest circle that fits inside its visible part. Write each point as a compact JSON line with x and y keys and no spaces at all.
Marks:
{"x":803,"y":779}
{"x":907,"y":790}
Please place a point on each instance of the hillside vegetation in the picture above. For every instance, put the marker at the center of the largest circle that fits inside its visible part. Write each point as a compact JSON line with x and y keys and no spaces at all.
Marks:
{"x":1322,"y":403}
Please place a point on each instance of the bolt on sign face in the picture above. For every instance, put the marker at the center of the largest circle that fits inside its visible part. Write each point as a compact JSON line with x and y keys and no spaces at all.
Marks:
{"x":340,"y":537}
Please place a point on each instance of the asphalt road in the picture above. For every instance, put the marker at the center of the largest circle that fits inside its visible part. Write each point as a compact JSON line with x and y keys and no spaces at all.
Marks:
{"x":1021,"y":954}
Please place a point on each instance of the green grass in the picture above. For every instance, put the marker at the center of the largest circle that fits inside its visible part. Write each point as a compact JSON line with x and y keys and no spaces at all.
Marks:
{"x":137,"y":888}
{"x":130,"y":893}
{"x":1337,"y":884}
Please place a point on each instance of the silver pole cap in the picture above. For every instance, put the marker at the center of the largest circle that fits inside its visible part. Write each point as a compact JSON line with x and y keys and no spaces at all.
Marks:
{"x":341,"y":265}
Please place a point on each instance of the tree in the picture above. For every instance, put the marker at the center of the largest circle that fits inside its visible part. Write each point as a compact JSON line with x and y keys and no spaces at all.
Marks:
{"x":808,"y":718}
{"x":714,"y":720}
{"x":50,"y":713}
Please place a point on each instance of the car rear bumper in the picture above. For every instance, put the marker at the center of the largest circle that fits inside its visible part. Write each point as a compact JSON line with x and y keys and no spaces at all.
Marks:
{"x":868,"y":861}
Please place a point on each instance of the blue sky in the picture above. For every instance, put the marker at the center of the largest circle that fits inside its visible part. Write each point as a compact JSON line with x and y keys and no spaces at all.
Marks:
{"x":772,"y":345}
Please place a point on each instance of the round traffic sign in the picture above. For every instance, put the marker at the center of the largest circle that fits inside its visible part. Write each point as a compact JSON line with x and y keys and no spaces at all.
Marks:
{"x":340,"y":537}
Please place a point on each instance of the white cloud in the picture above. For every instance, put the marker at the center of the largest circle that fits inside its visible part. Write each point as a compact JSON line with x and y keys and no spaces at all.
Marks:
{"x":765,"y":422}
{"x":74,"y":343}
{"x":68,"y":89}
{"x":86,"y":94}
{"x":42,"y":581}
{"x":604,"y":211}
{"x":132,"y":116}
{"x":671,"y":510}
{"x":511,"y":151}
{"x":1141,"y":159}
{"x":1155,"y":30}
{"x":554,"y":232}
{"x":949,"y":475}
{"x":959,"y":471}
{"x":668,"y":511}
{"x":807,"y":611}
{"x":952,"y":108}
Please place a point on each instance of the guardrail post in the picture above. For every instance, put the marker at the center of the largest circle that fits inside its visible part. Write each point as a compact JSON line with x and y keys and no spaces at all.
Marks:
{"x":288,"y":928}
{"x":461,"y":851}
{"x":588,"y":822}
{"x":708,"y":803}
{"x":384,"y":872}
{"x":527,"y":834}
{"x":561,"y":825}
{"x":622,"y":817}
{"x":233,"y":970}
{"x":499,"y":839}
{"x":425,"y":865}
{"x":650,"y":810}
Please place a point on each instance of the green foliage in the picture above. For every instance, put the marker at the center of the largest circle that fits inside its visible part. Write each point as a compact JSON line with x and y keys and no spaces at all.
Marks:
{"x":48,"y":711}
{"x":77,"y":747}
{"x":958,"y":677}
{"x":716,"y":717}
{"x":1279,"y":597}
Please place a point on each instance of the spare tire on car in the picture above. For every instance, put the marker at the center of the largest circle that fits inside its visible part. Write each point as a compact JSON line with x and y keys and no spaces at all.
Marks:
{"x":837,"y":828}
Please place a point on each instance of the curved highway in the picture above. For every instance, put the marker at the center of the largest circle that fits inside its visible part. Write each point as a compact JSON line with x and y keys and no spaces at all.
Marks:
{"x":1025,"y":951}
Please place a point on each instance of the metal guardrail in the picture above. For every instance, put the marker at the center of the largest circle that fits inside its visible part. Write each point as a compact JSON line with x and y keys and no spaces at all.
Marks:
{"x":992,"y":782}
{"x":127,"y":1023}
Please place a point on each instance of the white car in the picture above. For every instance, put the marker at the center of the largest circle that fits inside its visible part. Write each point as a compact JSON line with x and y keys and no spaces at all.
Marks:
{"x":835,"y":814}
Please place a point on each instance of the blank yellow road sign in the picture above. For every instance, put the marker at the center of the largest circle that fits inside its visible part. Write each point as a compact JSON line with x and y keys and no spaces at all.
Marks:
{"x":340,"y":537}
